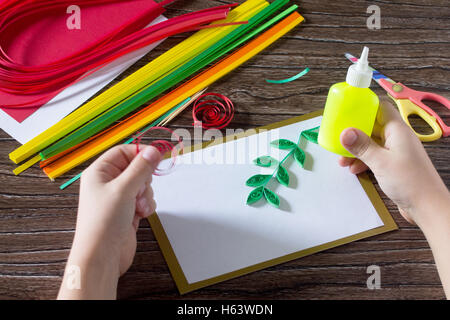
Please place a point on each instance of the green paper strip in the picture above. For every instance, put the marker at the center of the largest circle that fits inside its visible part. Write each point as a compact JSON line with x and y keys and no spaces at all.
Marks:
{"x":264,"y":161}
{"x":300,"y":156}
{"x":68,"y":183}
{"x":205,"y":58}
{"x":283,"y":144}
{"x":311,"y":135}
{"x":130,"y":140}
{"x":283,"y":176}
{"x":255,"y":195}
{"x":301,"y":74}
{"x":272,"y":198}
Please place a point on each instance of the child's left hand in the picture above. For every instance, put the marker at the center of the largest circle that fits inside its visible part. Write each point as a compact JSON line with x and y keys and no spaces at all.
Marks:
{"x":115,"y":194}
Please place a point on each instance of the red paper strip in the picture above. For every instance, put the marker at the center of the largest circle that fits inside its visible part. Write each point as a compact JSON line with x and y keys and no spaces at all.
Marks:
{"x":40,"y":39}
{"x":213,"y":113}
{"x":37,"y":83}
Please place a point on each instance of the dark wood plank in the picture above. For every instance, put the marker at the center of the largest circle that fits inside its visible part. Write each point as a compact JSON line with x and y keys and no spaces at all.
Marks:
{"x":37,"y":220}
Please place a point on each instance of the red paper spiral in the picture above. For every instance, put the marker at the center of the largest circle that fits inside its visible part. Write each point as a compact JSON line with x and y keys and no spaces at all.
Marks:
{"x":163,"y":147}
{"x":213,"y":113}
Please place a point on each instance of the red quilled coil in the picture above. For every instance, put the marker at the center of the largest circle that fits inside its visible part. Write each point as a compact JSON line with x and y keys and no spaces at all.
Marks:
{"x":216,"y":112}
{"x":163,"y":146}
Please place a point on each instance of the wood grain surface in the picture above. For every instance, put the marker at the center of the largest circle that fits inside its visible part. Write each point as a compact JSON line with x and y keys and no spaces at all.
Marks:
{"x":37,"y":220}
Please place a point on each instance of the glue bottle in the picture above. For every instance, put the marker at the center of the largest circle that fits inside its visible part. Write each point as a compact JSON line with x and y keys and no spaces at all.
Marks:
{"x":349,"y":104}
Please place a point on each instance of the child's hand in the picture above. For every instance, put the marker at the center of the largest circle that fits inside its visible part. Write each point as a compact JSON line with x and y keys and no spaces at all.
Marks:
{"x":407,"y":176}
{"x":399,"y":162}
{"x":115,"y":194}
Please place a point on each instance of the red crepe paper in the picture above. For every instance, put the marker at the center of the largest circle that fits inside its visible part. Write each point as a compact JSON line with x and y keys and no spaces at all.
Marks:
{"x":40,"y":56}
{"x":213,"y":113}
{"x":163,"y":147}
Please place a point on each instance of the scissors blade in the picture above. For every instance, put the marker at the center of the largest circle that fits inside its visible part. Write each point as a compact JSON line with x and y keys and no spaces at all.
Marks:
{"x":377,"y":76}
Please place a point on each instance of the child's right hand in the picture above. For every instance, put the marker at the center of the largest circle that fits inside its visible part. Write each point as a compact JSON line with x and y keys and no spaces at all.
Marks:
{"x":399,"y":162}
{"x":407,"y":176}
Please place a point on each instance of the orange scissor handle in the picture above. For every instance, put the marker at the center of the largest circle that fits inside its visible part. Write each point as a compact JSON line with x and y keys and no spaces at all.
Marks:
{"x":399,"y":91}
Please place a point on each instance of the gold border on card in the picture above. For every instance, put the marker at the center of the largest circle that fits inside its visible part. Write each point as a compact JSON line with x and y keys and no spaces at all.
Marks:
{"x":172,"y":261}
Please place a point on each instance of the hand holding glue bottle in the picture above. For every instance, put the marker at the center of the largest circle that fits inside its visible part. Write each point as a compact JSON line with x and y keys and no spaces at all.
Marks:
{"x":350,"y":104}
{"x":397,"y":159}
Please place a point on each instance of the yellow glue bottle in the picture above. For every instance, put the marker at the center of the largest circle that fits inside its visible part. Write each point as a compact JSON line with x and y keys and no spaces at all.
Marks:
{"x":350,"y":104}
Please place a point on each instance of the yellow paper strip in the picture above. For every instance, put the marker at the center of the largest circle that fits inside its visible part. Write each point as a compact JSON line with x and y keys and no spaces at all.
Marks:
{"x":26,"y":165}
{"x":138,"y":80}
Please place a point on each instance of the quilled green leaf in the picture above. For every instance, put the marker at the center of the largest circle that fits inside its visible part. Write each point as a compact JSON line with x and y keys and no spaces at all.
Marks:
{"x":299,"y":156}
{"x":311,"y":134}
{"x":258,"y":180}
{"x":264,"y":161}
{"x":283,"y":144}
{"x":255,"y":195}
{"x":272,"y":198}
{"x":283,"y":175}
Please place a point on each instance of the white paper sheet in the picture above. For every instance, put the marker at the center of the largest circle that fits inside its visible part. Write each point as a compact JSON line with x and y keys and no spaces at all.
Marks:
{"x":71,"y":98}
{"x":212,"y":231}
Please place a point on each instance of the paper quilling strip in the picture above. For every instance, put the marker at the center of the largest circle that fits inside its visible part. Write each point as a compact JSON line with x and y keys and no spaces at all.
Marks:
{"x":163,"y":147}
{"x":206,"y":57}
{"x":129,"y":141}
{"x":297,"y":76}
{"x":138,"y":80}
{"x":161,"y":122}
{"x":216,"y":112}
{"x":156,"y":109}
{"x":52,"y":78}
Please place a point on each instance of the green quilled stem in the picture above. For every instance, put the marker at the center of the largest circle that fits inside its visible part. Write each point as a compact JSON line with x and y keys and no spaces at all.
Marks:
{"x":261,"y":190}
{"x":282,"y":161}
{"x":223,"y":46}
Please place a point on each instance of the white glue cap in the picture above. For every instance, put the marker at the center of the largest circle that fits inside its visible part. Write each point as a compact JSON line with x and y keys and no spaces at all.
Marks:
{"x":360,"y":74}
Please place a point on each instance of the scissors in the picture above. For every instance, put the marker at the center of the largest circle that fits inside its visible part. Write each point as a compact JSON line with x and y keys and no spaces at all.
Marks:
{"x":410,"y":102}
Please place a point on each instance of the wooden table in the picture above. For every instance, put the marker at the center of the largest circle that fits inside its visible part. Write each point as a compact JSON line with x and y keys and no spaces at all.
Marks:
{"x":37,"y":220}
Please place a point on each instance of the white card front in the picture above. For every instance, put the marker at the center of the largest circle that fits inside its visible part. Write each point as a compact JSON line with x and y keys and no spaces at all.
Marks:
{"x":202,"y":206}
